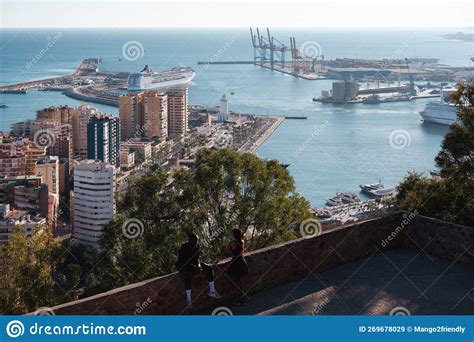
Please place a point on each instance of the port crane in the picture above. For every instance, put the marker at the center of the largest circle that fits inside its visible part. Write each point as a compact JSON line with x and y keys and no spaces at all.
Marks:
{"x":268,"y":49}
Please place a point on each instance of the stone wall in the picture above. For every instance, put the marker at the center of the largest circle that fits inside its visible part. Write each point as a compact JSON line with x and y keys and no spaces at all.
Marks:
{"x":288,"y":261}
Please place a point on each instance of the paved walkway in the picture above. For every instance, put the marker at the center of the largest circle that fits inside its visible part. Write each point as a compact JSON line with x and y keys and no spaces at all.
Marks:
{"x":419,"y":283}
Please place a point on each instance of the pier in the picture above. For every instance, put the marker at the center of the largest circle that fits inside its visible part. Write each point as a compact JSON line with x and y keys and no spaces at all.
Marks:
{"x":87,"y":67}
{"x":224,"y":62}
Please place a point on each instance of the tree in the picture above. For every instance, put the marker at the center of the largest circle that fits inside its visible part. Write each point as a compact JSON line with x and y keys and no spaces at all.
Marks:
{"x":450,"y":198}
{"x":223,"y":190}
{"x":26,"y":281}
{"x":227,"y":190}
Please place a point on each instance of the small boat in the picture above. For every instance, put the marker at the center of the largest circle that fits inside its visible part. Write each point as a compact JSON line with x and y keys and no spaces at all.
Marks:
{"x":232,"y":93}
{"x":349,"y":197}
{"x":3,"y":105}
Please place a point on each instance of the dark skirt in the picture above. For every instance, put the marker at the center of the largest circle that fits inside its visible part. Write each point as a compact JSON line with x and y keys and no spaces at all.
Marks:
{"x":238,"y":267}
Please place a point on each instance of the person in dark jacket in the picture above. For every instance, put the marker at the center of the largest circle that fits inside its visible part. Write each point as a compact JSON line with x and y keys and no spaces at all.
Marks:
{"x":238,"y":267}
{"x":189,"y":264}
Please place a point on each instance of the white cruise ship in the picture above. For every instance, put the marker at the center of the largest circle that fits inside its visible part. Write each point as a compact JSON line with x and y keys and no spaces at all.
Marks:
{"x":149,"y":79}
{"x":440,"y":112}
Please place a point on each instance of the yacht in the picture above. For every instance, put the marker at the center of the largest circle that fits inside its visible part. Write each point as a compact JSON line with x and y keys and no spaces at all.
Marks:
{"x":334,"y":201}
{"x":383,"y":192}
{"x":349,"y":197}
{"x":367,"y":188}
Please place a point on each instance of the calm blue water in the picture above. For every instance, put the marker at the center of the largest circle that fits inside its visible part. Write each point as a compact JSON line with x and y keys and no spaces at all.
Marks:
{"x":337,"y":148}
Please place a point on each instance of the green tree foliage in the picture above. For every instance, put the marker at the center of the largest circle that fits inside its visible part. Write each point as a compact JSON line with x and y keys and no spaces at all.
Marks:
{"x":450,"y":198}
{"x":26,"y":281}
{"x":224,"y":190}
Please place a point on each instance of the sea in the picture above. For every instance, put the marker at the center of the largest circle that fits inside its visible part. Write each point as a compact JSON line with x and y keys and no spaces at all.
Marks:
{"x":337,"y":148}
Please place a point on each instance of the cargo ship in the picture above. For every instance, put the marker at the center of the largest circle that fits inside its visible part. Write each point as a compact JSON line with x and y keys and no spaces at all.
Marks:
{"x":149,"y":79}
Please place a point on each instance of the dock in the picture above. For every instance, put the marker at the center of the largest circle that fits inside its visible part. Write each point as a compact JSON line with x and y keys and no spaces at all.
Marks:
{"x":296,"y":117}
{"x":87,"y":67}
{"x":252,"y":145}
{"x":224,"y":62}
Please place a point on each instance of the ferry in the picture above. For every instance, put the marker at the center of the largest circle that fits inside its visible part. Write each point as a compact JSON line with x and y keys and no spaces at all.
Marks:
{"x":149,"y":79}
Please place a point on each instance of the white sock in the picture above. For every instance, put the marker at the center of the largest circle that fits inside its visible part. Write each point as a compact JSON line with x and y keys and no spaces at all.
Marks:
{"x":211,"y":287}
{"x":188,"y":295}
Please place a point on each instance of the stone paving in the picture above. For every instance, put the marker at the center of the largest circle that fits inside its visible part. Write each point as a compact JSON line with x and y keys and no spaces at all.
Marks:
{"x":401,"y":280}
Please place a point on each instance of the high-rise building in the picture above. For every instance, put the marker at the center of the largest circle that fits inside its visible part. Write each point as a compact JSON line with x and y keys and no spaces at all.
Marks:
{"x":93,"y":200}
{"x":155,"y":115}
{"x":103,"y":139}
{"x":177,"y":111}
{"x":129,"y":111}
{"x":144,"y":115}
{"x":59,"y":114}
{"x":48,"y":168}
{"x":79,"y":120}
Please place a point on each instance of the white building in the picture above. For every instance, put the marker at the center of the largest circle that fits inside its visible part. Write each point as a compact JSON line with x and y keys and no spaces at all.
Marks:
{"x":94,"y":205}
{"x":224,"y":109}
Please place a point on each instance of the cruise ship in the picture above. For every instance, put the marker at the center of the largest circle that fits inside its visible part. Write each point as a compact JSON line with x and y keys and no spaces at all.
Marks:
{"x":440,"y":112}
{"x":149,"y":79}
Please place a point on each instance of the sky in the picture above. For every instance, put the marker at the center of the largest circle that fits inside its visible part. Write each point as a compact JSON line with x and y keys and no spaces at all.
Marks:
{"x":236,"y":13}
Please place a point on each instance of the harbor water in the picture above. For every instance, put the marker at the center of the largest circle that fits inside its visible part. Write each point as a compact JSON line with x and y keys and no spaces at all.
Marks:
{"x":337,"y":148}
